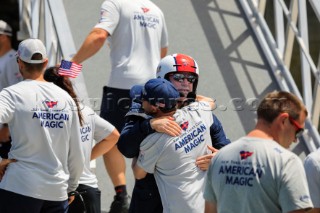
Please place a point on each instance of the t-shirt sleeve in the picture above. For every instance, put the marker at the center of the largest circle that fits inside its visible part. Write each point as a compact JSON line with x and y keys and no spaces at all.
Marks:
{"x":7,"y":106}
{"x":312,"y":168}
{"x":150,"y":152}
{"x":293,"y":192}
{"x":102,"y":128}
{"x":109,"y":16}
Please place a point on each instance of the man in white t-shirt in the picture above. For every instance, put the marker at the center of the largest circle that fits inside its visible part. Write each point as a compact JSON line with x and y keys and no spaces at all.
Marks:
{"x":9,"y":75}
{"x":135,"y":31}
{"x":45,"y":134}
{"x":257,"y":173}
{"x":173,"y":159}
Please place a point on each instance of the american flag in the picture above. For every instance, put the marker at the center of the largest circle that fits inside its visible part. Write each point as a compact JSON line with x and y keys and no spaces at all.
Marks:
{"x":69,"y":69}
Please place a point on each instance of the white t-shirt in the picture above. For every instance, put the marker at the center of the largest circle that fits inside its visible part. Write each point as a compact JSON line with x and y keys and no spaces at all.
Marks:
{"x":137,"y":33}
{"x":172,"y":160}
{"x":9,"y":70}
{"x":312,"y":167}
{"x":94,"y":129}
{"x":254,"y":175}
{"x":44,"y":128}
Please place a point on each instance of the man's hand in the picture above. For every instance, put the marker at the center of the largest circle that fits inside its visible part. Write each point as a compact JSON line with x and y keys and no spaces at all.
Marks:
{"x":166,"y":125}
{"x":206,"y":99}
{"x":3,"y":166}
{"x":71,"y":199}
{"x":203,"y":162}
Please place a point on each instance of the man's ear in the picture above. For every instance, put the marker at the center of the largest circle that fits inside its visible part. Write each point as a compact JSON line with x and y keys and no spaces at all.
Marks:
{"x":283,"y":117}
{"x":154,"y":109}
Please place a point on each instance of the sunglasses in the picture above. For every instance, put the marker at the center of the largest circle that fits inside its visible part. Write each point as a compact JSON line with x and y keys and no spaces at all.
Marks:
{"x":299,"y":129}
{"x":180,"y":77}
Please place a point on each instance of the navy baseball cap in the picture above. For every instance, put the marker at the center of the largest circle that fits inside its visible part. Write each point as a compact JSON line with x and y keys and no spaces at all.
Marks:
{"x":160,"y":92}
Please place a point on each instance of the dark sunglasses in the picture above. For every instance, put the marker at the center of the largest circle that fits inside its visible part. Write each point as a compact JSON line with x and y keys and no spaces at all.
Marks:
{"x":299,"y":129}
{"x":181,"y":76}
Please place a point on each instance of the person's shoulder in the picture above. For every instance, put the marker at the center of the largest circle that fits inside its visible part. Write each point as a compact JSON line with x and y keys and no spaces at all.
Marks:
{"x":154,"y":138}
{"x":59,"y":92}
{"x":86,"y":110}
{"x":314,"y":156}
{"x":12,"y":53}
{"x":16,"y":87}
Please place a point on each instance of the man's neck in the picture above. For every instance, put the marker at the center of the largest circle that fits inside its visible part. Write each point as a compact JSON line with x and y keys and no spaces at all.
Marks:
{"x":37,"y":76}
{"x":263,"y":130}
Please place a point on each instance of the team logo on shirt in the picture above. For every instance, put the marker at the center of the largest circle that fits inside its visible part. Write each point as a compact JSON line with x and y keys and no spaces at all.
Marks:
{"x":245,"y":154}
{"x":145,"y":10}
{"x":184,"y":126}
{"x":304,"y":198}
{"x":51,"y":104}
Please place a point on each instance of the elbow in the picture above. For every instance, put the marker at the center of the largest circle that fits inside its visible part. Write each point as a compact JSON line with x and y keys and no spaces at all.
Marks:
{"x":99,"y":36}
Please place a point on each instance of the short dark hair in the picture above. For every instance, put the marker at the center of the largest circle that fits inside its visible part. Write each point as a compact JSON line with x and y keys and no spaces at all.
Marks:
{"x":278,"y":102}
{"x":34,"y":67}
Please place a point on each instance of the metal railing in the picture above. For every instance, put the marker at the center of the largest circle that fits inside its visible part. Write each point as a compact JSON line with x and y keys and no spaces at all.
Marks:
{"x":47,"y":20}
{"x":279,"y":50}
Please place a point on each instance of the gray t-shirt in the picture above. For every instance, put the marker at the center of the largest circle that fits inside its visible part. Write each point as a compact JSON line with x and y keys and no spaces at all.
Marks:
{"x":137,"y":33}
{"x":172,"y":160}
{"x":254,"y":175}
{"x":312,"y":167}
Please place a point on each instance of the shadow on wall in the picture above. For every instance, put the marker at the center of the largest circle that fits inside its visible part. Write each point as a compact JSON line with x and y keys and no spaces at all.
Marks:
{"x":229,"y":53}
{"x":239,"y":56}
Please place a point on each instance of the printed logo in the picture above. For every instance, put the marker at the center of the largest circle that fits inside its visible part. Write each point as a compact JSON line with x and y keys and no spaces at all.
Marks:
{"x":245,"y":154}
{"x":145,"y":10}
{"x":304,"y":198}
{"x":51,"y":104}
{"x":185,"y":63}
{"x":185,"y":125}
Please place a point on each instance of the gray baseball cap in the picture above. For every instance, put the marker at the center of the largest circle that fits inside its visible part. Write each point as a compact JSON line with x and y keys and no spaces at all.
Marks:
{"x":27,"y":48}
{"x":5,"y":28}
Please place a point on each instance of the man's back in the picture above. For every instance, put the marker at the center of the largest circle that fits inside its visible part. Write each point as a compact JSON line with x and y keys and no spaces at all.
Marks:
{"x":172,"y":160}
{"x":137,"y":32}
{"x":262,"y":177}
{"x":45,"y":140}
